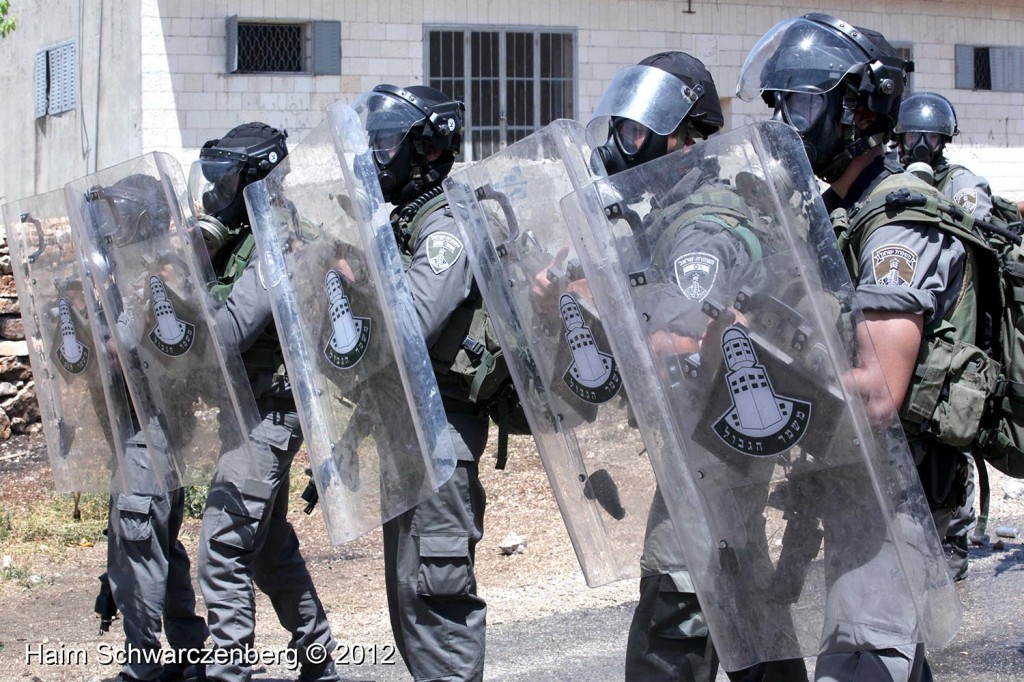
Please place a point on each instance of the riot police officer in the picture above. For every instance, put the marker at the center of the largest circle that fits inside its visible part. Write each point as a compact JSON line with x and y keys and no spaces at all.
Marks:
{"x":926,"y":125}
{"x":665,"y":103}
{"x":147,"y":565}
{"x":839,"y":87}
{"x":246,"y":537}
{"x":437,"y":617}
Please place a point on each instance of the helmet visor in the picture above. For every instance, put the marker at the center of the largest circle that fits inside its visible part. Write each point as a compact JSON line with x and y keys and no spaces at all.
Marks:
{"x":798,"y":55}
{"x":214,"y":182}
{"x":387,"y":120}
{"x":645,"y":95}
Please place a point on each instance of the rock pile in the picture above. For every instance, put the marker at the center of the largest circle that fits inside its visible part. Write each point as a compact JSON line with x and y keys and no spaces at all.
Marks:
{"x":19,"y":410}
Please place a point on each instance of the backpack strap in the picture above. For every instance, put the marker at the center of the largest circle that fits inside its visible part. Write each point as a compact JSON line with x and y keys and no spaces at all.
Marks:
{"x":487,"y":359}
{"x":942,"y":173}
{"x":984,"y":493}
{"x":233,"y":269}
{"x":903,"y":197}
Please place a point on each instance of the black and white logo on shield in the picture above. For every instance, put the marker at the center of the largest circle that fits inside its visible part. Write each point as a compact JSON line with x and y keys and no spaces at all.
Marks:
{"x":695,"y":274}
{"x":171,"y":336}
{"x":759,"y":423}
{"x":592,"y":376}
{"x":72,"y":355}
{"x":350,"y":335}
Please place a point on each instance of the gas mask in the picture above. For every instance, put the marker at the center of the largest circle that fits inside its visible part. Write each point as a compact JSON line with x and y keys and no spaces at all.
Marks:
{"x":920,"y":147}
{"x":630,"y":144}
{"x":819,"y":120}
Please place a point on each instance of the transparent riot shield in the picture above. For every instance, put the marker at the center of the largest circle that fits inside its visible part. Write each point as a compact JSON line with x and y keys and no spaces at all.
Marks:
{"x":82,"y":400}
{"x":526,"y":266}
{"x":134,"y":231}
{"x":730,"y":309}
{"x":369,"y":405}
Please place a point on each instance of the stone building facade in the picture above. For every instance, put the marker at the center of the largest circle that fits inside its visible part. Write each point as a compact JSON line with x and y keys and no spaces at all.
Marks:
{"x":88,"y":85}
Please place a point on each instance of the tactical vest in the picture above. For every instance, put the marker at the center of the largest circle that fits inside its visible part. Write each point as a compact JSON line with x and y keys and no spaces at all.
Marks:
{"x":953,"y":376}
{"x":264,"y":356}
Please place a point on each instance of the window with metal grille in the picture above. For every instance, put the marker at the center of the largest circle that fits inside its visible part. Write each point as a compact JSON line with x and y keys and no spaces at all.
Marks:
{"x":269,"y":47}
{"x":514,"y":81}
{"x":283,"y":47}
{"x":56,"y":80}
{"x":999,"y":68}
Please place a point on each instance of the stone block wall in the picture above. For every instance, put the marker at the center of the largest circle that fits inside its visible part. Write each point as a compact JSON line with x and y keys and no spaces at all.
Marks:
{"x":19,"y":410}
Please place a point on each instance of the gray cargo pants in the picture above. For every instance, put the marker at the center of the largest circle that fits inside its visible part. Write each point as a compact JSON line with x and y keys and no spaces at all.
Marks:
{"x":669,"y":639}
{"x":148,"y":570}
{"x":148,"y":567}
{"x":858,"y":591}
{"x":246,"y":539}
{"x":956,"y":543}
{"x":436,"y":616}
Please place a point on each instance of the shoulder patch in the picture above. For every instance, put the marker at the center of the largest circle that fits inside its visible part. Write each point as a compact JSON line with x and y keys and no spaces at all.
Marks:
{"x":443,"y":250}
{"x":894,"y":265}
{"x":967,"y":199}
{"x":695,"y":274}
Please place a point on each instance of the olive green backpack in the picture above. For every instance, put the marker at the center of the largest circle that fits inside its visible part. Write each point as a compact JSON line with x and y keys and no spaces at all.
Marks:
{"x":965,"y":392}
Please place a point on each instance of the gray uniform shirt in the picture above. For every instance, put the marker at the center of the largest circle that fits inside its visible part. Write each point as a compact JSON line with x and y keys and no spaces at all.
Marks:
{"x":689,"y":255}
{"x":439,"y":275}
{"x":905,"y":267}
{"x":242,"y":320}
{"x":910,"y":268}
{"x":968,"y":191}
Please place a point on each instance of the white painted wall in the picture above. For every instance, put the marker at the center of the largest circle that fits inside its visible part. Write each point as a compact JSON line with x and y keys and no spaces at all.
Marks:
{"x":163,"y":84}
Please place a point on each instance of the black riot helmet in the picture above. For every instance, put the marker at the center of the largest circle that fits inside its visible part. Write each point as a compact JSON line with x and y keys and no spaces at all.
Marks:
{"x":133,"y":209}
{"x":816,"y":71}
{"x":666,"y":94}
{"x":927,"y":122}
{"x":415,"y":134}
{"x":245,"y":154}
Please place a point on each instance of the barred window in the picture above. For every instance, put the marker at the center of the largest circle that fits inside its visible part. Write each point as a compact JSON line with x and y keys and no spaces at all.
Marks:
{"x":255,"y":46}
{"x":269,"y":48}
{"x":996,"y":68}
{"x":514,"y":81}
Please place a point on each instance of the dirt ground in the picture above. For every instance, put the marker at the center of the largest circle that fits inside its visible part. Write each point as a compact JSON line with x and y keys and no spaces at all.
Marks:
{"x":53,"y":603}
{"x":46,"y":595}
